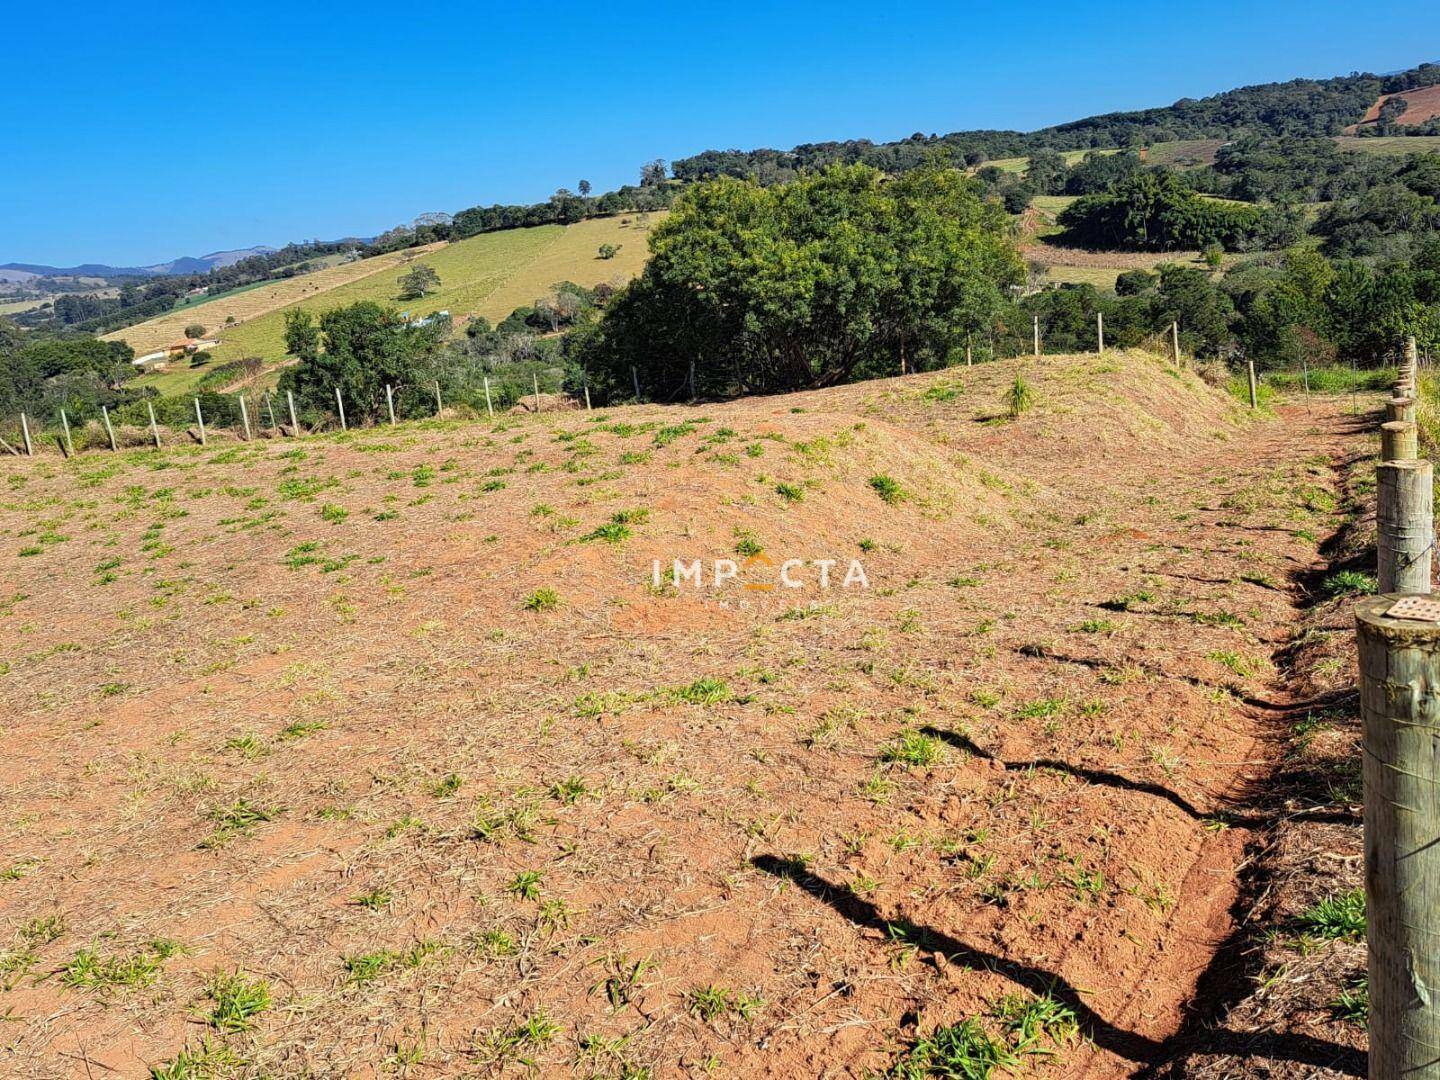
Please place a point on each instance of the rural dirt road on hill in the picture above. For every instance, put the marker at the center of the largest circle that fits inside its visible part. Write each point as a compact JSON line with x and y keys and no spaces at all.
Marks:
{"x":383,"y":754}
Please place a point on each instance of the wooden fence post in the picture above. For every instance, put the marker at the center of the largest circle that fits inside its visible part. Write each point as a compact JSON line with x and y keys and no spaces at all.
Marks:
{"x":587,"y":398}
{"x":200,"y":420}
{"x":1037,"y":335}
{"x":692,"y":376}
{"x":65,"y":425}
{"x":245,"y":416}
{"x":110,"y":431}
{"x":294,"y":424}
{"x":1254,"y":389}
{"x":1175,"y":343}
{"x":390,"y":403}
{"x":1399,"y":441}
{"x":1399,"y":695}
{"x":1100,"y":331}
{"x":270,"y":408}
{"x":25,"y":431}
{"x":340,"y":403}
{"x":969,"y":362}
{"x":635,"y":377}
{"x":1400,"y":408}
{"x":535,"y":379}
{"x":1404,"y":526}
{"x":154,"y":427}
{"x":489,"y":408}
{"x":439,"y":401}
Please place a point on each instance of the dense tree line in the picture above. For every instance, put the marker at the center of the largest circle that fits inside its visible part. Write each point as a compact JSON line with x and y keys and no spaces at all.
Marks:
{"x":1300,"y":107}
{"x":42,"y":373}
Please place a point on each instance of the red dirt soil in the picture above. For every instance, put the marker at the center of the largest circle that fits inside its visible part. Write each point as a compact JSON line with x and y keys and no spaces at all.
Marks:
{"x":1074,"y":611}
{"x":1420,"y":105}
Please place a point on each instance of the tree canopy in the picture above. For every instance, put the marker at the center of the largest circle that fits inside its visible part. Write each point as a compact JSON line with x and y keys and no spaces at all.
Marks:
{"x":809,"y":283}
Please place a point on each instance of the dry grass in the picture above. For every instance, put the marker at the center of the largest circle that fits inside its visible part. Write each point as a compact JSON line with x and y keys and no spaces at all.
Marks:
{"x":309,"y":713}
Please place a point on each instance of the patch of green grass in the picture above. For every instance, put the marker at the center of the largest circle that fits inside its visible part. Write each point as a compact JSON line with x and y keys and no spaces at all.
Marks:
{"x":1349,"y":583}
{"x":1353,"y":1003}
{"x":888,"y":488}
{"x":1020,"y":398}
{"x":1339,"y":916}
{"x":963,"y":1051}
{"x":542,"y":599}
{"x":236,"y":1000}
{"x":204,"y":1061}
{"x":525,"y":885}
{"x":913,"y":748}
{"x":89,"y":969}
{"x":705,"y":691}
{"x":791,"y":493}
{"x":711,"y":1003}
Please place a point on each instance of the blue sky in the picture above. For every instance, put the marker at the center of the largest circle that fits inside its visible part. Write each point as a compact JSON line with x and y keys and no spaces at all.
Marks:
{"x":144,"y":131}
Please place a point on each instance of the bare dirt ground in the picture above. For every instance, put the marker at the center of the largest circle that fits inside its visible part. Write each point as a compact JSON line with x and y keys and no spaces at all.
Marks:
{"x":382,"y":754}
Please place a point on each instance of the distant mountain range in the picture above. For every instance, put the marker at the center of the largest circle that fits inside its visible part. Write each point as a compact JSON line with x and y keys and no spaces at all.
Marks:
{"x":186,"y":264}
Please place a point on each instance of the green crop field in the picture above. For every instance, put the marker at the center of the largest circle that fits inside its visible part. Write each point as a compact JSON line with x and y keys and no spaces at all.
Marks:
{"x":488,"y":275}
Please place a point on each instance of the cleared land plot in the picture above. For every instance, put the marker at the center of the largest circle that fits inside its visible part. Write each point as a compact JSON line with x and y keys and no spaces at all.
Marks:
{"x":335,"y":755}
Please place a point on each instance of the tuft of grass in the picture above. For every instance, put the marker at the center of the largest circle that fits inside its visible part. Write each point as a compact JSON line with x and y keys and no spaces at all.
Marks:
{"x":888,"y":488}
{"x":1353,"y":1003}
{"x":237,"y":999}
{"x":1020,"y":398}
{"x":1349,"y":583}
{"x":965,"y":1051}
{"x":706,"y":691}
{"x":791,"y":493}
{"x":913,"y":748}
{"x":525,"y":885}
{"x":204,"y":1061}
{"x":542,"y":599}
{"x":1339,"y":916}
{"x":711,"y":1003}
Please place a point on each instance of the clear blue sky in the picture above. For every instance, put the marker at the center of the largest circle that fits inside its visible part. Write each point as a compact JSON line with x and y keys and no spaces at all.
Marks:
{"x":140,"y":132}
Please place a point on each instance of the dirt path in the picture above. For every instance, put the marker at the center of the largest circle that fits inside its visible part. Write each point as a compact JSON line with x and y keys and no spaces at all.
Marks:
{"x":306,"y":712}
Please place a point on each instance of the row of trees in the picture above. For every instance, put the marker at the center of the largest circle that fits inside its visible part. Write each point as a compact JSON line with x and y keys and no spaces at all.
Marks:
{"x":1301,"y":107}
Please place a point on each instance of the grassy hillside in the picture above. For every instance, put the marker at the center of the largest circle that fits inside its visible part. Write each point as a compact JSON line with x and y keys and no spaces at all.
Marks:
{"x":245,"y":305}
{"x":488,"y":275}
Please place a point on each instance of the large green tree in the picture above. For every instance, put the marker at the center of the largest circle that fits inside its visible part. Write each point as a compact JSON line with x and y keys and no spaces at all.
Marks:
{"x":359,"y":349}
{"x":838,"y":274}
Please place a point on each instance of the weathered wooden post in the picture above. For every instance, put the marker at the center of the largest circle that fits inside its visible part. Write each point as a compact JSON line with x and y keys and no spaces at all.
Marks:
{"x":969,"y":362}
{"x":390,"y":403}
{"x":294,"y":424}
{"x":245,"y":416}
{"x":439,"y":402}
{"x":587,"y":398}
{"x":1100,"y":331}
{"x":1404,"y":525}
{"x":1400,"y":718}
{"x":635,"y":377}
{"x":1037,"y":335}
{"x":25,"y":432}
{"x":200,"y":421}
{"x":270,"y":408}
{"x":154,"y":427}
{"x":340,"y":404}
{"x":1175,"y":343}
{"x":1399,"y":441}
{"x":1400,"y":408}
{"x":65,"y":425}
{"x":535,"y":379}
{"x":489,"y":408}
{"x":1254,"y":389}
{"x":110,"y":431}
{"x":692,"y":375}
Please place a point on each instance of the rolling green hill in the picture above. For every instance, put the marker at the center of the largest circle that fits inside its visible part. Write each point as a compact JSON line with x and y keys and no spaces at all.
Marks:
{"x":488,"y":275}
